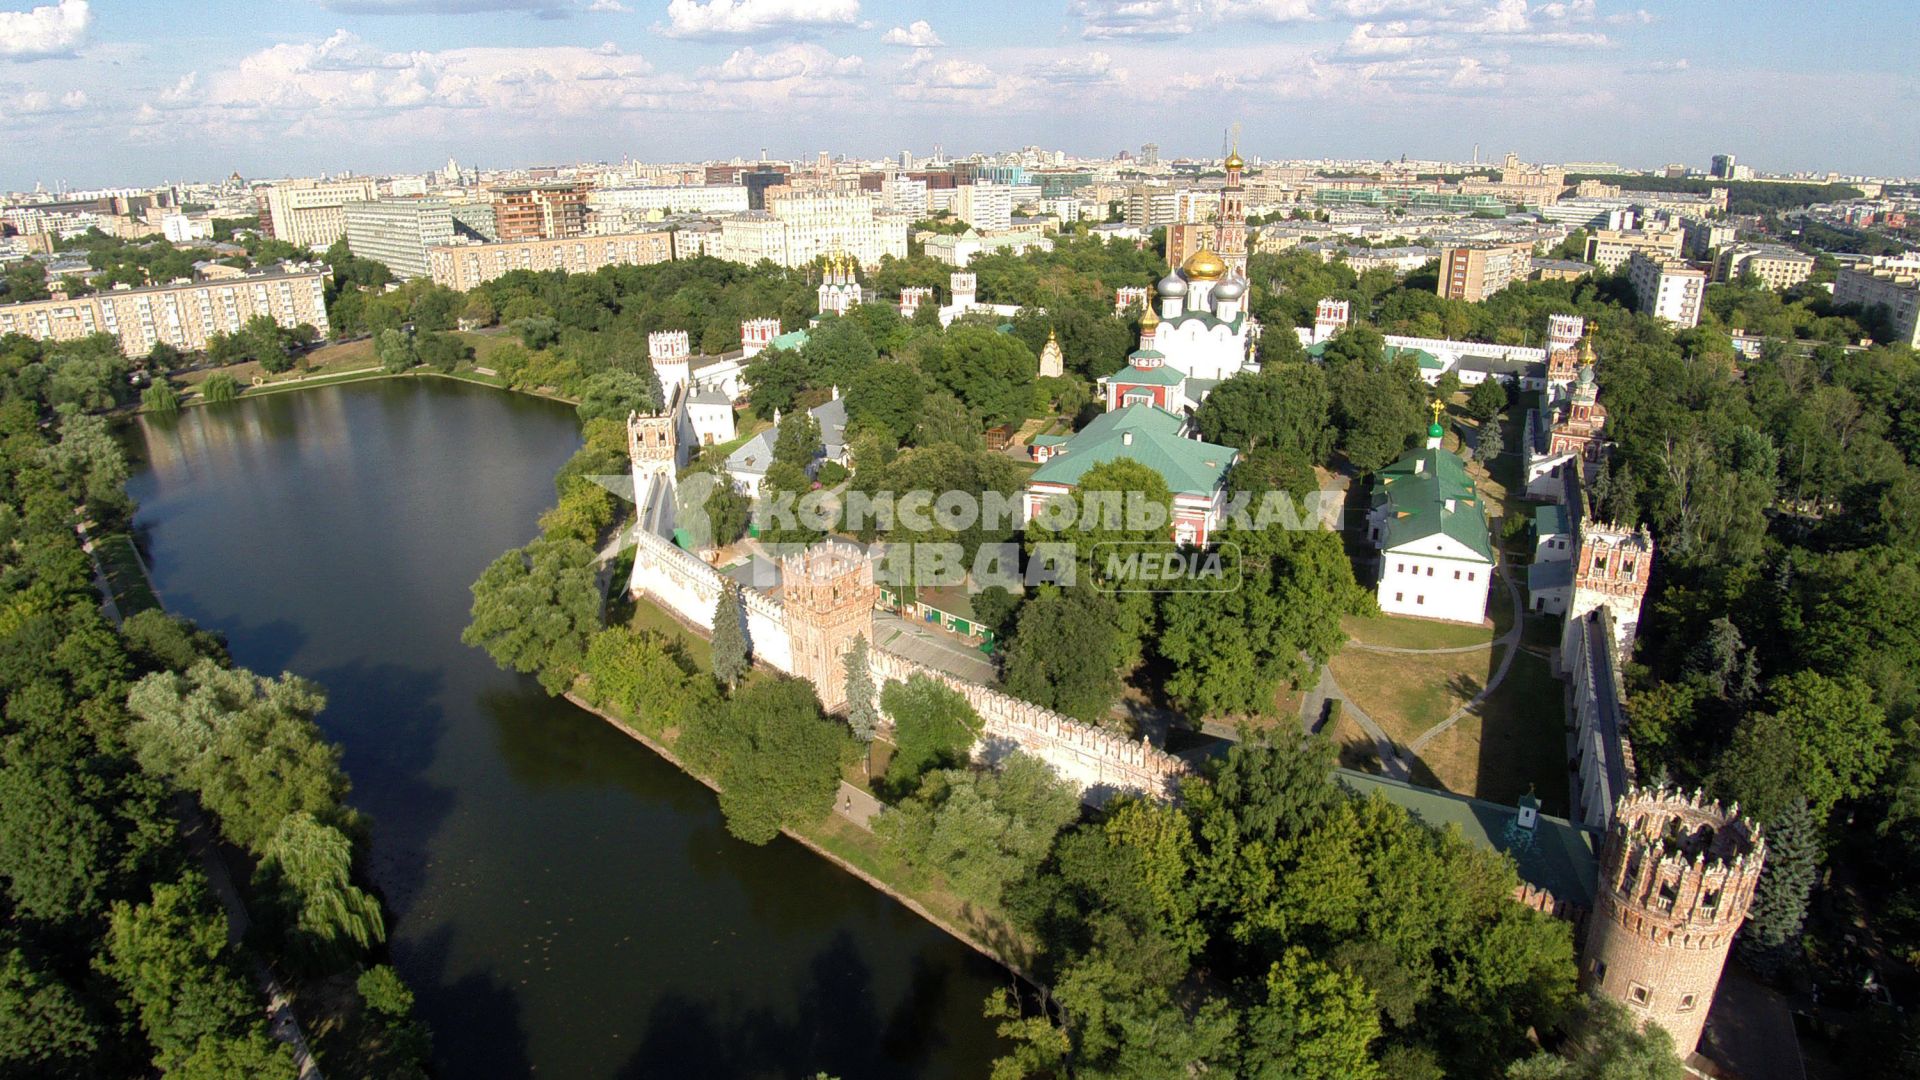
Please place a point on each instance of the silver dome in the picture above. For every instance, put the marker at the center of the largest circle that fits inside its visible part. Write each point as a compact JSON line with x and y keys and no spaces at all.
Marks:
{"x":1231,"y":289}
{"x":1173,"y":285}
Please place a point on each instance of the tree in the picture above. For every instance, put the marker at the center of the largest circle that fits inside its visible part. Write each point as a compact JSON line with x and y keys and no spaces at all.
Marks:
{"x":220,"y":387}
{"x":57,"y":849}
{"x":616,"y":394}
{"x":784,"y":767}
{"x":1605,"y":1043}
{"x":888,"y":397}
{"x":160,"y":398}
{"x":1317,"y":1021}
{"x":933,"y":728}
{"x":641,"y":674}
{"x":170,"y":958}
{"x":267,"y":343}
{"x":305,"y":874}
{"x":797,"y":442}
{"x":731,"y":658}
{"x":863,"y":715}
{"x":1779,"y":908}
{"x":395,"y":350}
{"x":1283,"y":408}
{"x":991,"y":372}
{"x":247,"y":745}
{"x":1492,"y":441}
{"x":45,"y":1028}
{"x":981,"y":830}
{"x":1487,"y":400}
{"x":1062,"y":650}
{"x":774,"y":379}
{"x":441,"y":351}
{"x":534,"y":609}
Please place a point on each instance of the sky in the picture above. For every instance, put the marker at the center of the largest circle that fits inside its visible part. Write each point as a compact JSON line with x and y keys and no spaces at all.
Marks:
{"x":126,"y":92}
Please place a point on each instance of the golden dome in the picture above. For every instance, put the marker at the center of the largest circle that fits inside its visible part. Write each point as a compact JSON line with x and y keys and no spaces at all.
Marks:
{"x":1151,"y":319}
{"x":1204,"y":265}
{"x":1234,"y":161}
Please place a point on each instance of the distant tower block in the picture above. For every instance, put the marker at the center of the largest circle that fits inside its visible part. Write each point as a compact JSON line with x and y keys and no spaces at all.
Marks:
{"x":672,"y":357}
{"x":828,"y":594}
{"x":1129,"y":297}
{"x":756,"y":335}
{"x":962,"y":287}
{"x":1564,"y":332}
{"x":912,"y":297}
{"x":1677,"y":875}
{"x":1330,"y":317}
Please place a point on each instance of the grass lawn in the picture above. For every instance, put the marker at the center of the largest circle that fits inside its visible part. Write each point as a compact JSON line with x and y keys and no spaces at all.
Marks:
{"x":650,"y":616}
{"x":1355,"y":746}
{"x":132,"y":593}
{"x":1516,"y":743}
{"x":1405,"y":694}
{"x":484,"y":345}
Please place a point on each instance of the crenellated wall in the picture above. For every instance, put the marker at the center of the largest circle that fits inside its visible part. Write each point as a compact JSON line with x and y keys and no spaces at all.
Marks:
{"x":1099,"y":762}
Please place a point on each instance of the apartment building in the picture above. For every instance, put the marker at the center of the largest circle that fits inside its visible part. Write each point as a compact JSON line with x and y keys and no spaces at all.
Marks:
{"x":540,"y":211}
{"x":1773,"y":265}
{"x":1610,"y":248}
{"x":464,"y":266}
{"x":986,"y":207}
{"x":183,"y":314}
{"x":1897,"y":290}
{"x":800,"y":226}
{"x":1667,"y":288}
{"x":1475,"y":273}
{"x":399,"y":232}
{"x":312,"y":213}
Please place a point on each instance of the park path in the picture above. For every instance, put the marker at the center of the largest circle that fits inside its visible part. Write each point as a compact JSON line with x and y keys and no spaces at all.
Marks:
{"x":1313,"y":705}
{"x":1511,"y":639}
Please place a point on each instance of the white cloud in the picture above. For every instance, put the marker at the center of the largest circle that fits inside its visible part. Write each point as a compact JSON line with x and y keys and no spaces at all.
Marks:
{"x":53,"y":30}
{"x":785,"y":62}
{"x":1171,"y":18}
{"x":549,"y":9}
{"x":608,"y":5}
{"x":755,"y":18}
{"x":1094,"y":67}
{"x":918,"y":35}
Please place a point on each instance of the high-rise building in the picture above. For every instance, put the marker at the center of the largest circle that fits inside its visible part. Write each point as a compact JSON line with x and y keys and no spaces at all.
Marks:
{"x":398,"y":232}
{"x":1150,"y":155}
{"x":758,"y":182}
{"x":1608,"y":248}
{"x":311,"y":213}
{"x":1667,"y":288}
{"x":183,"y":316}
{"x":906,"y":161}
{"x":986,"y":207}
{"x":798,"y":227}
{"x":540,"y":211}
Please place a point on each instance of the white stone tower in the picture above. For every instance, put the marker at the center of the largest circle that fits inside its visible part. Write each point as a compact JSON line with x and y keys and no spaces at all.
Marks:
{"x":912,"y":297}
{"x":962,"y":287}
{"x":672,"y":359}
{"x":1330,"y":317}
{"x":756,"y":335}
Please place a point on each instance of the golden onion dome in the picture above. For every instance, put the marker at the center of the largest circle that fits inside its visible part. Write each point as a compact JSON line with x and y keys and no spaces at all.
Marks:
{"x":1204,"y":265}
{"x":1150,"y":320}
{"x":1234,"y":161}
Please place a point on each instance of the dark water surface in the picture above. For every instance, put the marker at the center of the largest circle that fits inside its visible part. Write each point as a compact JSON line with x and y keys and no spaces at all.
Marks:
{"x":565,"y":903}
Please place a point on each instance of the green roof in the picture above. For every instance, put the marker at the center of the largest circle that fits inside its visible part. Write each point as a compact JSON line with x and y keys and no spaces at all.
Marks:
{"x":1050,"y":440}
{"x":792,"y":339}
{"x":1161,"y":375}
{"x":1550,"y":520}
{"x":1557,"y":855}
{"x":1428,"y":492}
{"x":1146,"y":434}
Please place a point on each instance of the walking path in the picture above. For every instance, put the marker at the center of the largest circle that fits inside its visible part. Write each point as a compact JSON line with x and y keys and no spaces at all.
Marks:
{"x":1313,"y":705}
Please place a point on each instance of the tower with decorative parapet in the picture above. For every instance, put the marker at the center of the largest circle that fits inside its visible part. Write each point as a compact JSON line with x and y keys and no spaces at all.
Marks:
{"x":912,"y":296}
{"x":756,"y":335}
{"x":1677,"y":875}
{"x":1611,"y":570}
{"x":961,"y":285}
{"x":828,"y":594}
{"x":672,"y":358}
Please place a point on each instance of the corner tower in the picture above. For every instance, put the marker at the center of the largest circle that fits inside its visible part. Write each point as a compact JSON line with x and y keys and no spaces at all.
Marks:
{"x":828,"y":595}
{"x":1677,"y":875}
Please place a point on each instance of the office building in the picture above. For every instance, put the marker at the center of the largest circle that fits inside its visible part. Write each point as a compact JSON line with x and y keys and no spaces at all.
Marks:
{"x":398,"y":232}
{"x":1667,"y":288}
{"x":1475,"y":273}
{"x":311,"y":213}
{"x":464,"y":266}
{"x":540,"y":211}
{"x":184,"y":316}
{"x":1896,"y":290}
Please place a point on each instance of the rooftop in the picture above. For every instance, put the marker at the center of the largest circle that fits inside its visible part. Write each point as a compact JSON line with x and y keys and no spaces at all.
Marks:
{"x":1146,"y":434}
{"x":1428,"y":492}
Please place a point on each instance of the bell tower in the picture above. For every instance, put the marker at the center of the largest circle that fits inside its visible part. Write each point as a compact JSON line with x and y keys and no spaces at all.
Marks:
{"x":1230,"y":234}
{"x":828,"y":594}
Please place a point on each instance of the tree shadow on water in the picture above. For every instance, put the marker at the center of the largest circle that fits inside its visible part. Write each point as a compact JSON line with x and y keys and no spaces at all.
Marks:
{"x":836,"y":1028}
{"x":475,"y":1018}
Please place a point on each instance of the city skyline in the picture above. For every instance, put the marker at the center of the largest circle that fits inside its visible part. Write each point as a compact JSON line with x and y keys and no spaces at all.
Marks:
{"x":109,"y":92}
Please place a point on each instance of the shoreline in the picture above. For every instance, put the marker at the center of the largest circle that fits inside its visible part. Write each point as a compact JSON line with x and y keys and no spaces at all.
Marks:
{"x":813,"y":845}
{"x":341,"y":378}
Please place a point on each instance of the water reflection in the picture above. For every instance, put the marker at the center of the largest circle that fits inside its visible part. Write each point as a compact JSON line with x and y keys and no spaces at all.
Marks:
{"x":565,"y":902}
